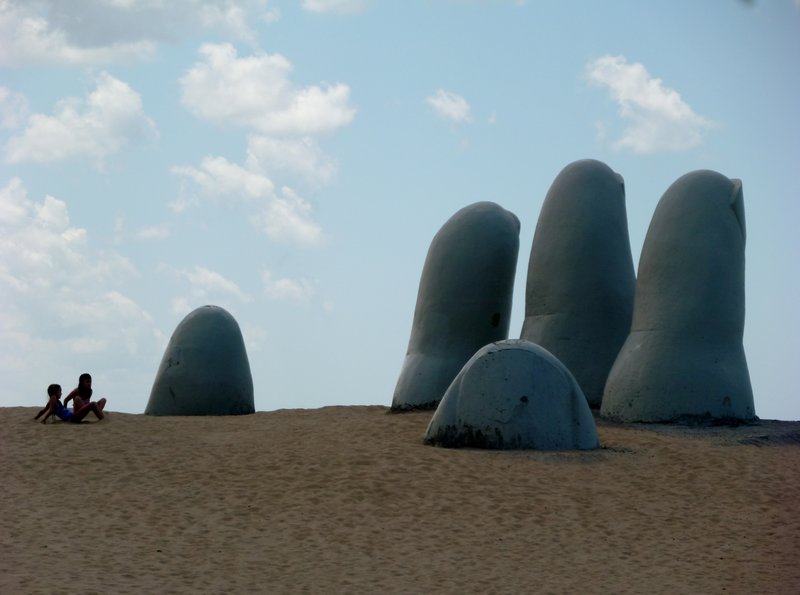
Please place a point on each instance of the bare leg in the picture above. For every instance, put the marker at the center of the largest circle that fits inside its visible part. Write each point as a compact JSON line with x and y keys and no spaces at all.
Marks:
{"x":86,"y":408}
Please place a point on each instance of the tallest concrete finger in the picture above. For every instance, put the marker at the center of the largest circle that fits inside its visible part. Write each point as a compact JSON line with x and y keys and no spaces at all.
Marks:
{"x":580,"y":286}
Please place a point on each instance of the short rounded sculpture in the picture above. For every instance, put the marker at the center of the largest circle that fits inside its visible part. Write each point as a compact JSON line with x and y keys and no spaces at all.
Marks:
{"x":513,"y":395}
{"x":463,"y":301}
{"x":684,"y":359}
{"x":205,"y":370}
{"x":579,"y":292}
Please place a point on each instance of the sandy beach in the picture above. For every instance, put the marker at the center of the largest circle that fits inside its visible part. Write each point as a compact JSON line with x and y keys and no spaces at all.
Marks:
{"x":349,"y":500}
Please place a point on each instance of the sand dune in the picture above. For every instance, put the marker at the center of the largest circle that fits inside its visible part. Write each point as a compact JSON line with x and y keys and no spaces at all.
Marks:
{"x":349,"y":500}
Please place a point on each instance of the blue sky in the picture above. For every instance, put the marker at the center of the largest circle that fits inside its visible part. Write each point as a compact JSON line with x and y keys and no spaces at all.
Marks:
{"x":291,"y":162}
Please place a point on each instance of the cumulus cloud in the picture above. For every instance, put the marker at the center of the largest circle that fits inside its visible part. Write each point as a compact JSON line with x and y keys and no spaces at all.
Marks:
{"x":204,"y":286}
{"x":205,"y":282}
{"x":288,"y":219}
{"x":298,"y":158}
{"x":14,"y":204}
{"x":286,"y":289}
{"x":224,"y":181}
{"x":450,"y":106}
{"x":658,"y":119}
{"x":283,"y":216}
{"x":153,"y":232}
{"x":180,"y":305}
{"x":13,"y":108}
{"x":94,"y":32}
{"x":283,"y":120}
{"x":107,"y":120}
{"x":43,"y":250}
{"x":37,"y":240}
{"x":334,"y":6}
{"x":60,"y":296}
{"x":255,"y":92}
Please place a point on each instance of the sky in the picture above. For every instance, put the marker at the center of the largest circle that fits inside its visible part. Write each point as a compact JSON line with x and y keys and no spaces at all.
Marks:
{"x":292,"y":161}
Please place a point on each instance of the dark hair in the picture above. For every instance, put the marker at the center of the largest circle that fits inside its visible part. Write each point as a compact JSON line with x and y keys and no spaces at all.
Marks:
{"x":83,"y":392}
{"x":53,"y":389}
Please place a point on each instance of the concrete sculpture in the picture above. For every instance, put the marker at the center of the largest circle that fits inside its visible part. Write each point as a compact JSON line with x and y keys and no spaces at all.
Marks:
{"x":463,"y":301}
{"x":513,"y":394}
{"x":684,"y":358}
{"x":205,"y":370}
{"x":579,"y":293}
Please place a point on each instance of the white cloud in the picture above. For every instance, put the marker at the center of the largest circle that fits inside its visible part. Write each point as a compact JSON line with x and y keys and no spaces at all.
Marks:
{"x":658,"y":119}
{"x":153,"y":232}
{"x":205,"y":286}
{"x":287,"y":219}
{"x":220,"y":179}
{"x":27,"y":37}
{"x":93,"y":32}
{"x":299,"y":158}
{"x":232,"y":17}
{"x":255,"y":92}
{"x":52,"y":214}
{"x":13,"y":108}
{"x":334,"y":6}
{"x":286,"y":289}
{"x":180,"y":306}
{"x":14,"y":203}
{"x":183,"y":201}
{"x":101,"y":125}
{"x":60,"y":297}
{"x":205,"y":282}
{"x":450,"y":106}
{"x":36,"y":242}
{"x":106,"y":305}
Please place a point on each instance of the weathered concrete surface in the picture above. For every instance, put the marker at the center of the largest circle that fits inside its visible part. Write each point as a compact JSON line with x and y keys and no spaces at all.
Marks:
{"x":684,"y":357}
{"x":463,"y":302}
{"x":579,"y":293}
{"x":205,"y":370}
{"x":513,"y":394}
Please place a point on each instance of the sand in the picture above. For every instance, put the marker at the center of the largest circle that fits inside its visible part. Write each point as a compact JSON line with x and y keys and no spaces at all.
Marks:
{"x":349,"y":500}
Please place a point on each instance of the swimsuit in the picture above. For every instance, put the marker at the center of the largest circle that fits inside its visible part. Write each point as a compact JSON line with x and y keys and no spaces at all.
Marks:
{"x":81,"y":400}
{"x":64,"y":413}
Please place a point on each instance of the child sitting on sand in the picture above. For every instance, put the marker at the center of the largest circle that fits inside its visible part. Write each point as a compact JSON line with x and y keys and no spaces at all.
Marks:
{"x":82,"y":394}
{"x":54,"y":406}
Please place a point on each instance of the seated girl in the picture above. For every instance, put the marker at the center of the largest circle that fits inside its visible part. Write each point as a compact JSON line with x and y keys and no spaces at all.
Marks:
{"x":81,"y":394}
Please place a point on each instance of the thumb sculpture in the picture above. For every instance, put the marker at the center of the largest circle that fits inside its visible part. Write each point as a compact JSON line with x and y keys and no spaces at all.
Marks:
{"x":513,"y":394}
{"x":205,"y":370}
{"x":463,"y":302}
{"x":684,"y":359}
{"x":579,"y":292}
